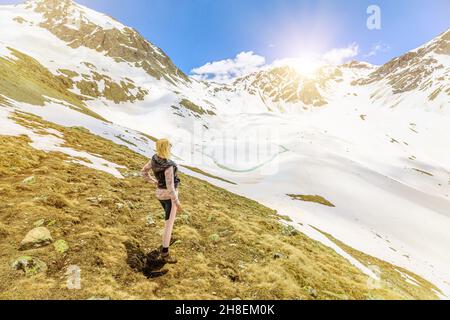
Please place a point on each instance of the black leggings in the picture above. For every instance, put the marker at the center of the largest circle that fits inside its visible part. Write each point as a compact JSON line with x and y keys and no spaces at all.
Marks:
{"x":167,"y":206}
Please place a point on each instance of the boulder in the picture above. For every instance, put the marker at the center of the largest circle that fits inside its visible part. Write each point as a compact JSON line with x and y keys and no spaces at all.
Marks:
{"x":29,"y":265}
{"x":36,"y":238}
{"x":289,"y":231}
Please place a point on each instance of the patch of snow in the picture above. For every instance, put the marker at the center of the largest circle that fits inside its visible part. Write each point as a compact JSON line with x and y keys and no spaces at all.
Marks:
{"x":99,"y":19}
{"x":101,"y":86}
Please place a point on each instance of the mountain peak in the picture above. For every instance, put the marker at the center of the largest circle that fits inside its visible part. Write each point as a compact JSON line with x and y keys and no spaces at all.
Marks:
{"x":362,"y":65}
{"x":80,"y":26}
{"x":50,"y":4}
{"x":72,"y":14}
{"x":444,"y":43}
{"x":445,"y":35}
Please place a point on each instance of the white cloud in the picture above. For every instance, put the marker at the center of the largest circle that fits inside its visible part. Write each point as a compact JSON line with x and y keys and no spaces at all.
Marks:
{"x":340,"y":55}
{"x":376,"y":48}
{"x":308,"y":63}
{"x":226,"y":70}
{"x":248,"y":62}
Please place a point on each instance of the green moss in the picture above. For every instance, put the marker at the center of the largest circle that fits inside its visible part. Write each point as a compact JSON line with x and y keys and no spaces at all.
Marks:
{"x":29,"y":180}
{"x":51,"y":223}
{"x":61,"y":246}
{"x":214,"y":238}
{"x":29,"y":265}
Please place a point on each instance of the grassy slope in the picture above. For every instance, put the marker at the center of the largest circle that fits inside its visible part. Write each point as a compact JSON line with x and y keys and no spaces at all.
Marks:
{"x":390,"y":275}
{"x":238,"y":261}
{"x":24,"y":79}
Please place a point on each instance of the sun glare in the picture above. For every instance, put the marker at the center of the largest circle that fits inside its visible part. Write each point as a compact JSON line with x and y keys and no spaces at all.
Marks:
{"x":306,"y":65}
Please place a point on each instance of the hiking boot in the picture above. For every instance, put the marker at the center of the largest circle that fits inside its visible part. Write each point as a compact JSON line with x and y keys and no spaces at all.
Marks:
{"x":167,"y":258}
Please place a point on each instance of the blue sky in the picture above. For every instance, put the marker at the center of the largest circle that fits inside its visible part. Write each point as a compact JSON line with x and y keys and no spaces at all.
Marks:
{"x":194,"y":32}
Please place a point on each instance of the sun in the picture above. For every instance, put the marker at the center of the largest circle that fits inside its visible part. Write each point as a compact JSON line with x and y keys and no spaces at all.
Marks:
{"x":306,"y":64}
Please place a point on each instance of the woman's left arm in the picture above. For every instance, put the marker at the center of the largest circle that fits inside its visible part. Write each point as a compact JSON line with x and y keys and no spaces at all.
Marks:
{"x":169,"y":175}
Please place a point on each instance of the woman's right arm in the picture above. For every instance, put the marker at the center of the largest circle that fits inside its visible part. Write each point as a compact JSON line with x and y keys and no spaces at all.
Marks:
{"x":145,"y":173}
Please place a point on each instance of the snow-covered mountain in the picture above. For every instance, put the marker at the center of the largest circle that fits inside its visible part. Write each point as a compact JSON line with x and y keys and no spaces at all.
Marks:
{"x":82,"y":27}
{"x":424,"y":72}
{"x":371,"y":140}
{"x":285,"y":89}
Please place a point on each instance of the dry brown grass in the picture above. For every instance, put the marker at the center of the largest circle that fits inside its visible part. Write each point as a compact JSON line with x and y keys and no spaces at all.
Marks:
{"x":423,"y":172}
{"x":197,"y":110}
{"x":312,"y":198}
{"x":250,"y":258}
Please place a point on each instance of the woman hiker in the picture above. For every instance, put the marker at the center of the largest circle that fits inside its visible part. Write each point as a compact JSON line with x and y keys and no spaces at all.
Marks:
{"x":167,"y":181}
